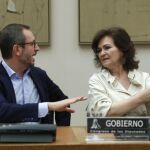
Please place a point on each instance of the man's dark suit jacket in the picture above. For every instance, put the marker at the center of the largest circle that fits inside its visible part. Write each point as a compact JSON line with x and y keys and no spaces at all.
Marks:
{"x":48,"y":91}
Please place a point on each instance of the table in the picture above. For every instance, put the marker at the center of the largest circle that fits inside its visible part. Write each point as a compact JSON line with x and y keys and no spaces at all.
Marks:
{"x":73,"y":138}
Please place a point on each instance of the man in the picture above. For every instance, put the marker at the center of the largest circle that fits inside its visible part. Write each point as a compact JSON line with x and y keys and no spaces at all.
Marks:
{"x":27,"y":94}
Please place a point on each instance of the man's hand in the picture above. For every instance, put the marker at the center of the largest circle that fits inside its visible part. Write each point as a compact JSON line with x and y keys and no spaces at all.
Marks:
{"x":63,"y":104}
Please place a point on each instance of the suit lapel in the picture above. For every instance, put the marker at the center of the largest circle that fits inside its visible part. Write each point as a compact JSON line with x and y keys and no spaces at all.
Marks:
{"x":5,"y":79}
{"x":38,"y":83}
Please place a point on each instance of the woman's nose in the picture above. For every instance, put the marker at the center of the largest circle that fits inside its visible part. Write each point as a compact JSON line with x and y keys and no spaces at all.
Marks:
{"x":102,"y":52}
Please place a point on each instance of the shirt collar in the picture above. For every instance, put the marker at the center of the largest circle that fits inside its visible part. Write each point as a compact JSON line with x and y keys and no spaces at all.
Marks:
{"x":132,"y":75}
{"x":10,"y":71}
{"x":106,"y":74}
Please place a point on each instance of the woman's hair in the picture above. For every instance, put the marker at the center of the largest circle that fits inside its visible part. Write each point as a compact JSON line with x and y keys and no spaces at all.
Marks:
{"x":122,"y":41}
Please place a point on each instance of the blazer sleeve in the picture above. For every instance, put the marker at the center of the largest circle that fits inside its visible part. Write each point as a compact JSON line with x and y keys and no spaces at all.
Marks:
{"x":12,"y":112}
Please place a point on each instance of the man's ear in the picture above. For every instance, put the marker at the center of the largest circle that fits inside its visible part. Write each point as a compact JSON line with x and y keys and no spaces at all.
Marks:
{"x":17,"y":50}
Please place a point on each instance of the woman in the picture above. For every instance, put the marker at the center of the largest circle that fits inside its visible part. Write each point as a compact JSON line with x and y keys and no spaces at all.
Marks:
{"x":118,"y":89}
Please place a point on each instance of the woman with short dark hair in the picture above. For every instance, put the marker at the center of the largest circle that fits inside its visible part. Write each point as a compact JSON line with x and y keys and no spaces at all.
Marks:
{"x":118,"y":89}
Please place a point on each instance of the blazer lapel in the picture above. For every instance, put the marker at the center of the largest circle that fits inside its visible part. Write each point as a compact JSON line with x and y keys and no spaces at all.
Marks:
{"x":38,"y":84}
{"x":5,"y":79}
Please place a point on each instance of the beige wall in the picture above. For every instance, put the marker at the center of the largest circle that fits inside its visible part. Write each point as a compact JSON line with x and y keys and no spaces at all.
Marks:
{"x":68,"y":64}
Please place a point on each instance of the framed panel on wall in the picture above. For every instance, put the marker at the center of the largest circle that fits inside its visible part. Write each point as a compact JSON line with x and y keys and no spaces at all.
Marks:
{"x":34,"y":13}
{"x":133,"y":15}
